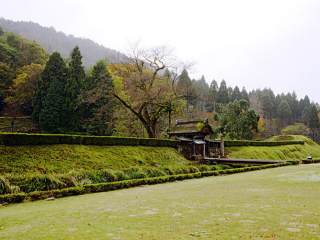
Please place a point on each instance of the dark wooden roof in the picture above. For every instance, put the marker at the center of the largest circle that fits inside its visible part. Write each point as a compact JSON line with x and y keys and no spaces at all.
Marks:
{"x":192,"y":128}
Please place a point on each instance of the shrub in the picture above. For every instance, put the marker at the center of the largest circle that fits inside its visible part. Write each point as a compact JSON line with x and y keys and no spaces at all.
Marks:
{"x":13,"y":198}
{"x":224,"y":167}
{"x":169,"y":171}
{"x":154,"y":172}
{"x":4,"y":186}
{"x":204,"y":168}
{"x":135,"y":173}
{"x":193,"y":169}
{"x":41,"y":183}
{"x":108,"y":175}
{"x":67,"y":180}
{"x":121,"y":176}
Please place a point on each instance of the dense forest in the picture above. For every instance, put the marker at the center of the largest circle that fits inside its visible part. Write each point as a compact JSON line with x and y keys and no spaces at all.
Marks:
{"x":126,"y":98}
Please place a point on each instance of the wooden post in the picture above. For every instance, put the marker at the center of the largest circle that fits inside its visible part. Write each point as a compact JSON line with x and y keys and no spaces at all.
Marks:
{"x":222,"y":147}
{"x":204,"y":147}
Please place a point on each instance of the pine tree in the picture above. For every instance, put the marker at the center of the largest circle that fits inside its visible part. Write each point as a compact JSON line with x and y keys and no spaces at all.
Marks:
{"x":313,"y":121}
{"x":50,"y":96}
{"x":74,"y":85}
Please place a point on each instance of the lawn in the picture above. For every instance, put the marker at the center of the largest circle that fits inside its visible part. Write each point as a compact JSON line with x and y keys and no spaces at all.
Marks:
{"x":280,"y":203}
{"x":284,"y":152}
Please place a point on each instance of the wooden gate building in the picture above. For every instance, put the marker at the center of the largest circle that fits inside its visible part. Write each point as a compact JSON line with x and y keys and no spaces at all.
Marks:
{"x":192,"y":142}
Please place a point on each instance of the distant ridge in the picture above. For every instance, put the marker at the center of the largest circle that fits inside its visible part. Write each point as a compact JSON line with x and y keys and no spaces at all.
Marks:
{"x":52,"y":41}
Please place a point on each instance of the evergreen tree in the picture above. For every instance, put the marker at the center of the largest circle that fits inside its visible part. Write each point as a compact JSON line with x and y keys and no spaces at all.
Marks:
{"x":284,"y":113}
{"x":305,"y":115}
{"x":230,"y":92}
{"x":294,"y":107}
{"x":313,"y":121}
{"x":236,"y":94}
{"x":267,"y":103}
{"x":244,"y":95}
{"x":201,"y":88}
{"x":303,"y":103}
{"x":185,"y":89}
{"x":98,"y":101}
{"x":223,"y":93}
{"x":212,"y":96}
{"x":50,"y":96}
{"x":74,"y":85}
{"x":2,"y":97}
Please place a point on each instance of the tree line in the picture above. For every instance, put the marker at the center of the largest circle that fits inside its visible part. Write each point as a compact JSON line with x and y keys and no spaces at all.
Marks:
{"x":137,"y":95}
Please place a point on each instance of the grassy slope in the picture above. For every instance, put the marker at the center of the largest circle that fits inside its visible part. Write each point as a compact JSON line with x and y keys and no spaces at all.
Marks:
{"x":281,"y":203}
{"x":286,"y":152}
{"x":63,"y":158}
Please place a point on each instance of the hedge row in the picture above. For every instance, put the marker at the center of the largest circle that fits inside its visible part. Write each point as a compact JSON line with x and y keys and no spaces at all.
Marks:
{"x":308,"y":161}
{"x":12,"y":139}
{"x":104,"y":187}
{"x":235,"y":143}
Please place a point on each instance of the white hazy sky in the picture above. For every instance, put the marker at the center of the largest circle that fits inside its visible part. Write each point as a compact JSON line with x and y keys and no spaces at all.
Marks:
{"x":251,"y":43}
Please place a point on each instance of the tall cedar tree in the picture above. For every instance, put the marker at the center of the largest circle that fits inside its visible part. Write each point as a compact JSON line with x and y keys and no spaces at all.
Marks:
{"x":314,"y":121}
{"x":73,"y":87}
{"x":284,"y":113}
{"x":50,"y":96}
{"x":244,"y":95}
{"x":223,"y":93}
{"x":185,"y":88}
{"x":212,"y":96}
{"x":98,"y":100}
{"x":236,"y":94}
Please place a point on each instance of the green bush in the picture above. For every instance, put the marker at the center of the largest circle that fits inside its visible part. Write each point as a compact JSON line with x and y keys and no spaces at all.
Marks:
{"x":204,"y":168}
{"x":108,"y":175}
{"x":193,"y":169}
{"x":308,"y":161}
{"x":13,"y":198}
{"x":169,"y":171}
{"x":154,"y":172}
{"x":135,"y":173}
{"x":4,"y":186}
{"x":41,"y":182}
{"x":121,"y":176}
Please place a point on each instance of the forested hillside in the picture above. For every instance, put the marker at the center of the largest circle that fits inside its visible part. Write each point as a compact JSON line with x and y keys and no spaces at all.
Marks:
{"x":21,"y":64}
{"x":52,"y":41}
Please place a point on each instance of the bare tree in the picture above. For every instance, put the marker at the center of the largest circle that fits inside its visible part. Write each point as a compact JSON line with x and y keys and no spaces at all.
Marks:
{"x":140,"y":87}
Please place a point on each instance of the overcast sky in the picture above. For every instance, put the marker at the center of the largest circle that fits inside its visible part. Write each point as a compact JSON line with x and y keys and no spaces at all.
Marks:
{"x":251,"y":43}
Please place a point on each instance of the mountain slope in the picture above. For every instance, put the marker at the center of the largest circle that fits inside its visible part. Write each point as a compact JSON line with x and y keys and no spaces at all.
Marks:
{"x":52,"y":41}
